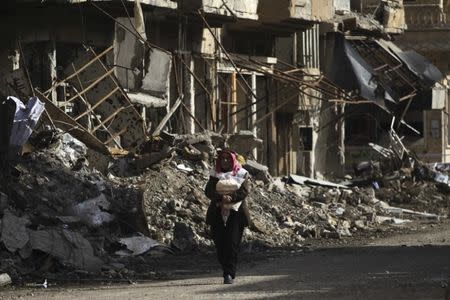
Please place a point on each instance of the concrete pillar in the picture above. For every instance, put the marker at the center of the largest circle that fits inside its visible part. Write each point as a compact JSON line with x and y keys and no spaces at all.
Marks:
{"x":272,"y":147}
{"x":234,"y":102}
{"x":312,"y":158}
{"x":51,"y":56}
{"x":215,"y":95}
{"x":342,"y":138}
{"x":190,"y":97}
{"x":253,"y":111}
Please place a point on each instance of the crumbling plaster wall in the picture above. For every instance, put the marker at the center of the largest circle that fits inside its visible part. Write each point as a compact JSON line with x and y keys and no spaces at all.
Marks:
{"x":434,"y":137}
{"x":342,"y":5}
{"x":285,"y":9}
{"x":158,"y":3}
{"x":245,"y":9}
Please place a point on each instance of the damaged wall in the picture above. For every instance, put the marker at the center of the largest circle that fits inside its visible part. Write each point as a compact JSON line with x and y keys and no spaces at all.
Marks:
{"x":245,"y":9}
{"x":296,"y":10}
{"x":390,"y":13}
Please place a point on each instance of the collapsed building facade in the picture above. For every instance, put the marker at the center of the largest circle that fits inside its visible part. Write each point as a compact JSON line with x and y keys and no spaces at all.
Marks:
{"x":129,"y":101}
{"x":424,"y":32}
{"x":116,"y":73}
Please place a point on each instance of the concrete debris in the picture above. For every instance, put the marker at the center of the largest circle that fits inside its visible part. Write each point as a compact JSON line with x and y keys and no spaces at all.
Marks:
{"x":310,"y":181}
{"x":391,"y":14}
{"x":14,"y":233}
{"x":259,"y":171}
{"x":243,"y":142}
{"x":136,"y":245}
{"x":155,"y":198}
{"x":92,"y":212}
{"x":5,"y":279}
{"x":183,"y":237}
{"x":68,"y":247}
{"x":70,"y":150}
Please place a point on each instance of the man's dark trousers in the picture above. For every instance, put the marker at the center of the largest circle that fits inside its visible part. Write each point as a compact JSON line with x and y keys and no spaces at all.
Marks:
{"x":227,"y":239}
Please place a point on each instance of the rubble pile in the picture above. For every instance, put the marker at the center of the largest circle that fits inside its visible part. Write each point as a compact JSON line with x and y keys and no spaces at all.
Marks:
{"x":58,"y":212}
{"x":54,"y":217}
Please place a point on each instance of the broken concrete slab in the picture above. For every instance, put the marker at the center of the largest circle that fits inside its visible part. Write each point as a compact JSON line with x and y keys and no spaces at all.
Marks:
{"x":14,"y":232}
{"x":93,"y":212}
{"x":68,"y":247}
{"x":157,"y":77}
{"x":136,"y":245}
{"x":82,"y":252}
{"x":259,"y":171}
{"x":5,"y":279}
{"x":314,"y":182}
{"x":243,"y":142}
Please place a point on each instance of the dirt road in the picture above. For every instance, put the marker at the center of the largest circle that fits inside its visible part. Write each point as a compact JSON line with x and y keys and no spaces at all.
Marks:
{"x":384,"y":269}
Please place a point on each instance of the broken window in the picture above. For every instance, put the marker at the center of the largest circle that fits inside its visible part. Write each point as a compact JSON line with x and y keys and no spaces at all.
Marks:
{"x":306,"y":138}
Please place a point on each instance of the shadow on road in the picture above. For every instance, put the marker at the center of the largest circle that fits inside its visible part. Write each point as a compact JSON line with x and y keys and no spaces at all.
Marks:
{"x":348,"y":273}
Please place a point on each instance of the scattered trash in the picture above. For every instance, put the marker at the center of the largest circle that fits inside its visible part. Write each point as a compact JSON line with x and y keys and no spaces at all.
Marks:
{"x":44,"y":284}
{"x":25,"y":119}
{"x":183,"y":168}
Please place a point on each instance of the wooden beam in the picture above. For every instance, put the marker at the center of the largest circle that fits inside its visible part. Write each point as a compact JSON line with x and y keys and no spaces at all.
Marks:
{"x":79,"y":70}
{"x":168,"y":116}
{"x":91,"y":85}
{"x":234,"y":101}
{"x":98,"y":103}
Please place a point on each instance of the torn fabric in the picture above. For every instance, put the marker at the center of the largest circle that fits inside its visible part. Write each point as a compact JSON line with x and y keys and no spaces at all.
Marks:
{"x":25,"y":119}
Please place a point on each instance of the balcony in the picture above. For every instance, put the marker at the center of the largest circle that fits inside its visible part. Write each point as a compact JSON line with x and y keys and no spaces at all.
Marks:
{"x":295,"y":10}
{"x":243,"y":9}
{"x":424,"y":16}
{"x":157,"y":3}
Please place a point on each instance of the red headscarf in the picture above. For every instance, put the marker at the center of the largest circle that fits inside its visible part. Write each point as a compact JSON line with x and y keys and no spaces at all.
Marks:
{"x":236,"y":166}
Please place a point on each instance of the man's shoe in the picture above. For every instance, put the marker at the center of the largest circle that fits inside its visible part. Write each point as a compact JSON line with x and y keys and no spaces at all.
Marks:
{"x":227,"y":279}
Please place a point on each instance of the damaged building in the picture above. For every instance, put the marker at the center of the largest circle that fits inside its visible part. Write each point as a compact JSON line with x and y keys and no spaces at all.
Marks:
{"x":113,"y":110}
{"x":425,"y":115}
{"x":267,"y":74}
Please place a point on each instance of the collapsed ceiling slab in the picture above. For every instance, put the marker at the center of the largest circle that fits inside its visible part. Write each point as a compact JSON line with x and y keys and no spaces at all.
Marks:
{"x":100,"y":107}
{"x":377,"y":70}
